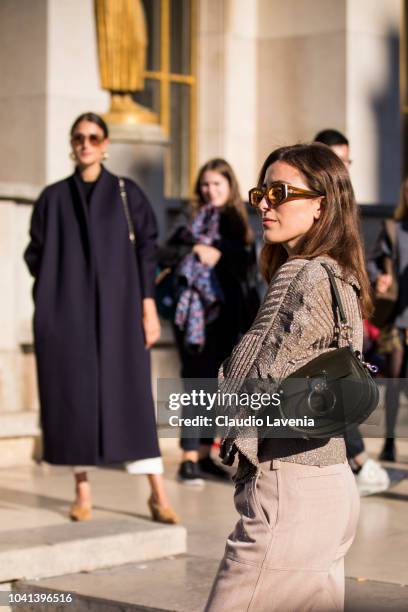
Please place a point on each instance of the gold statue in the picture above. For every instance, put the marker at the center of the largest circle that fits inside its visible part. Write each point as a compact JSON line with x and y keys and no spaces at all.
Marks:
{"x":122,"y":42}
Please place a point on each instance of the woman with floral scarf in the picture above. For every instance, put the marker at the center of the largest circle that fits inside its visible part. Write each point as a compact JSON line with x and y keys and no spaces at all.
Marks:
{"x":212,"y":251}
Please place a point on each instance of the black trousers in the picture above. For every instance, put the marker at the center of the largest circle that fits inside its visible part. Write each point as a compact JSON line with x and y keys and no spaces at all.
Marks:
{"x":354,"y":442}
{"x":202,"y":365}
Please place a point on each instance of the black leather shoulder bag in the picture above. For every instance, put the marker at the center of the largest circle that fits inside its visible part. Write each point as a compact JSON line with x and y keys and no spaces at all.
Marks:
{"x":334,"y":390}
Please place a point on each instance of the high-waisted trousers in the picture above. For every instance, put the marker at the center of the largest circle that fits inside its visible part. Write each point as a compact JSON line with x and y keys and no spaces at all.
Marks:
{"x":286,"y":553}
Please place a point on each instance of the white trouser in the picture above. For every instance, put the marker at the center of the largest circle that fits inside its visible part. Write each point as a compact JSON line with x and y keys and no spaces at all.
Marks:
{"x":142,"y":466}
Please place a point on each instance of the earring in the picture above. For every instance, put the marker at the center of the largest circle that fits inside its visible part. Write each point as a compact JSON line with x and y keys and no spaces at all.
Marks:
{"x":72,"y":155}
{"x":105,"y":155}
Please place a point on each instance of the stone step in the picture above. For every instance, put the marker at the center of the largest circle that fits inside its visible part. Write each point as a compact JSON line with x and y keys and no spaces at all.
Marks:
{"x":19,"y":438}
{"x":178,"y":585}
{"x":19,"y":424}
{"x":84,"y":547}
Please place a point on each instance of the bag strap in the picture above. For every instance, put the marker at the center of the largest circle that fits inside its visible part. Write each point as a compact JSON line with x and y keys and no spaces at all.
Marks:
{"x":344,"y":325}
{"x":123,"y":196}
{"x":390,"y":227}
{"x":391,"y":231}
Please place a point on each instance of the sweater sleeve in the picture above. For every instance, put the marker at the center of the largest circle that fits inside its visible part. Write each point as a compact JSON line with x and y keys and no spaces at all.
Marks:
{"x":280,"y":292}
{"x":306,"y":326}
{"x":262,"y":350}
{"x":295,"y":324}
{"x":303,"y":326}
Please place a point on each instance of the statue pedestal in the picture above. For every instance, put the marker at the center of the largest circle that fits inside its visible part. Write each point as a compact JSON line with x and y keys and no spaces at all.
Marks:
{"x":137,"y":152}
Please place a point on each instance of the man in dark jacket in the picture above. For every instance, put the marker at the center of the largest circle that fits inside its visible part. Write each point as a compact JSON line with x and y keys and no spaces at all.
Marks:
{"x":371,"y":477}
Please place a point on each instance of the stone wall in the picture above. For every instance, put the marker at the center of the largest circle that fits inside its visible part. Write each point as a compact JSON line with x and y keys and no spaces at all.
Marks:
{"x":273,"y":73}
{"x":270,"y":72}
{"x":18,"y":388}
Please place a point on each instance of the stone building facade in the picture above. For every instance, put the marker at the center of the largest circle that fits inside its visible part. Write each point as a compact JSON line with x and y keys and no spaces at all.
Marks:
{"x":265,"y":73}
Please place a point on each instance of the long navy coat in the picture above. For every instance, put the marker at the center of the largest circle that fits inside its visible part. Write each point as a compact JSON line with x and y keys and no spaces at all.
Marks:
{"x":93,"y":368}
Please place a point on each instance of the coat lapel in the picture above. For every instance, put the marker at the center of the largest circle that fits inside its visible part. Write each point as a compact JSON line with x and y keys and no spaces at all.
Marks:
{"x":103,"y":198}
{"x":78,"y":194}
{"x":80,"y":207}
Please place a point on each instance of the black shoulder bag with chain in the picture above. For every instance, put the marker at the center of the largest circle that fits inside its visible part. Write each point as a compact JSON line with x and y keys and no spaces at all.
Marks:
{"x":165,"y":278}
{"x":123,"y":196}
{"x":334,"y":390}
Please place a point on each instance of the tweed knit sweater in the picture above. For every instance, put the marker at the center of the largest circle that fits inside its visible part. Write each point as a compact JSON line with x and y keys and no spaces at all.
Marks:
{"x":296,"y":322}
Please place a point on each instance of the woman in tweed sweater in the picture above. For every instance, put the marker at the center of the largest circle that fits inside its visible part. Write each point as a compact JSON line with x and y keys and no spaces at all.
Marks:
{"x":297,"y":498}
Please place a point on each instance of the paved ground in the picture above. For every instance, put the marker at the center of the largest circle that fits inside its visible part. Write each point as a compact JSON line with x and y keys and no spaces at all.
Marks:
{"x":377,"y":564}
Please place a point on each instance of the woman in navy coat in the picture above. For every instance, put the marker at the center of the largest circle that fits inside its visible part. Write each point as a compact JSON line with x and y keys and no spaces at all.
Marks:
{"x":95,"y":320}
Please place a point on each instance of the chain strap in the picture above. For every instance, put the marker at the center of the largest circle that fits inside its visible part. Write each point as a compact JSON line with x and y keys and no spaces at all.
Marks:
{"x":123,"y":195}
{"x":344,"y":328}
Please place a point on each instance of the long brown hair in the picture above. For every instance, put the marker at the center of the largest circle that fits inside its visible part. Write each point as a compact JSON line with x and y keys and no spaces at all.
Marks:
{"x":337,"y":231}
{"x":235,"y":209}
{"x":401,"y":212}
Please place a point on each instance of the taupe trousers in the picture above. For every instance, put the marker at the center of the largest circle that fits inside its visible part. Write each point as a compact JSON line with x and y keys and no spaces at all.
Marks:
{"x":286,"y":553}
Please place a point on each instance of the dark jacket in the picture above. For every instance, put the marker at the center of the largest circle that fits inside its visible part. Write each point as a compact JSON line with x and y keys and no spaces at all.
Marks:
{"x":392,"y":245}
{"x":93,"y":368}
{"x":236,"y":272}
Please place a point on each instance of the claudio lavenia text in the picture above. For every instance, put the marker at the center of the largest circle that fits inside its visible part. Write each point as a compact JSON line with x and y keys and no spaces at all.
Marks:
{"x":249,"y":421}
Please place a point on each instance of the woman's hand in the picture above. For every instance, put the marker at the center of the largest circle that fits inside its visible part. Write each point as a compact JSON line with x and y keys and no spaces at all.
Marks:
{"x":383,"y":283}
{"x":208,"y":255}
{"x":151,"y":322}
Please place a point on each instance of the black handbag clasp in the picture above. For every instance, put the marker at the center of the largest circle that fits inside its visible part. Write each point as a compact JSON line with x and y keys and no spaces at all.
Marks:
{"x":321,"y":399}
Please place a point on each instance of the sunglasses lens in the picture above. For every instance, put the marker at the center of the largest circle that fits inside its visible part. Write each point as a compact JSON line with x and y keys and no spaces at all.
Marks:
{"x":80,"y":139}
{"x":275,"y":195}
{"x":255,"y":197}
{"x":77,"y":139}
{"x":94,"y":139}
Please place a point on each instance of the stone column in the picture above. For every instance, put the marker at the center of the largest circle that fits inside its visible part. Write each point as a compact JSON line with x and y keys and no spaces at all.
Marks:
{"x":301,"y":70}
{"x":333,"y":64}
{"x":23,"y":69}
{"x":18,"y":389}
{"x":49,"y":74}
{"x":373,"y":121}
{"x":72,"y":78}
{"x":10,"y":379}
{"x":137,"y":151}
{"x":227,"y":85}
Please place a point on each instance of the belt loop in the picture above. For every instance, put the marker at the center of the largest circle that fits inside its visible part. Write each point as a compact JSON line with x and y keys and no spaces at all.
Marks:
{"x":275,"y":464}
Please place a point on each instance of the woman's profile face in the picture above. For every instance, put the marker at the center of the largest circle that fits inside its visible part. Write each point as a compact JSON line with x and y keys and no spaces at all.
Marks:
{"x":214,"y":188}
{"x":88,"y":143}
{"x":288,"y":222}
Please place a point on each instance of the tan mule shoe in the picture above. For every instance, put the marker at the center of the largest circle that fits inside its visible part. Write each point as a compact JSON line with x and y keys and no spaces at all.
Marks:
{"x":80,"y":513}
{"x":162,"y":514}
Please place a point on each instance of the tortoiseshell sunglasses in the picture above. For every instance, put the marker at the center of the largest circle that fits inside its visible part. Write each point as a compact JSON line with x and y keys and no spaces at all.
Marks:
{"x":278,"y":193}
